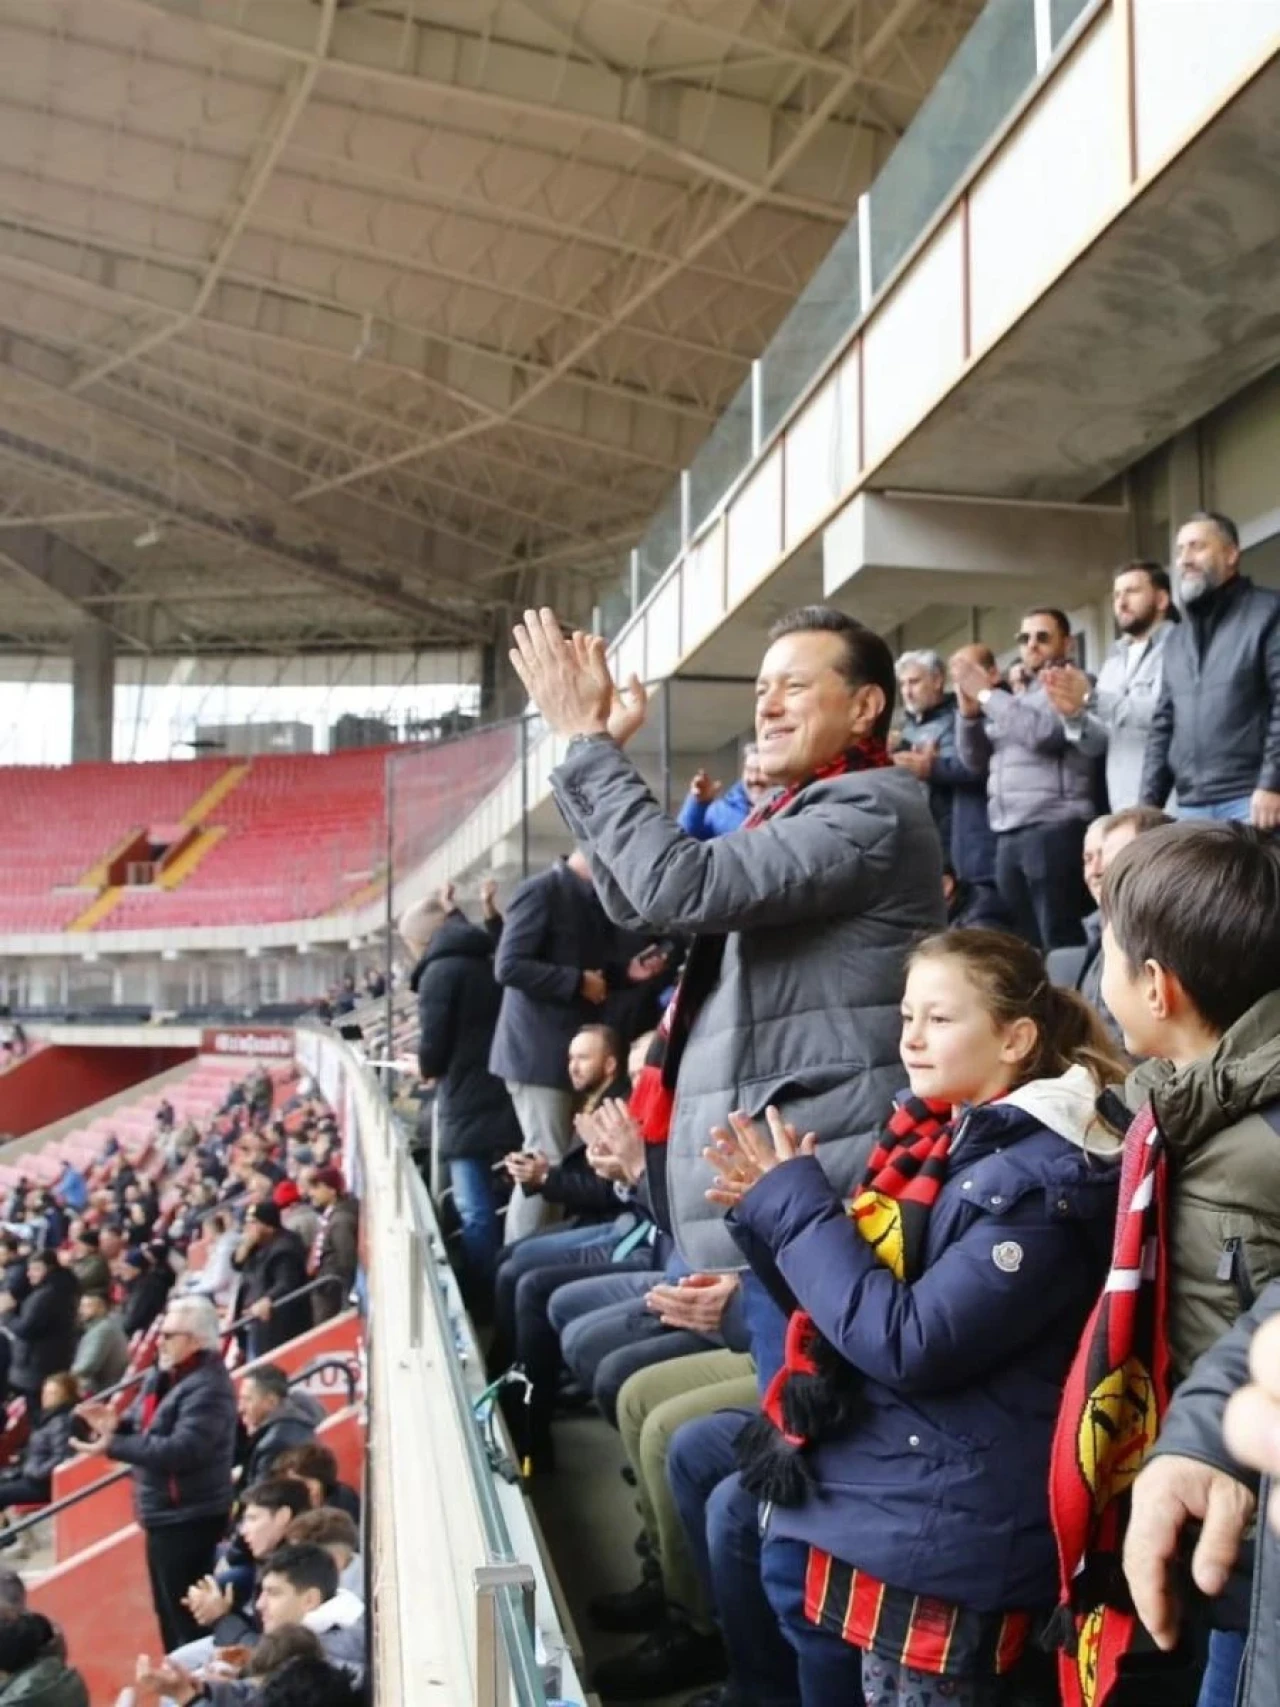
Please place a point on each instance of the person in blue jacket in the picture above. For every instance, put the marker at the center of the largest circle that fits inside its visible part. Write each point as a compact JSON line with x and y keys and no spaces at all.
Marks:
{"x":902,"y":1451}
{"x":707,"y":813}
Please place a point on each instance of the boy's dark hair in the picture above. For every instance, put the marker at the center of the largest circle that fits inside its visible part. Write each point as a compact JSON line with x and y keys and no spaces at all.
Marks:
{"x":308,"y":1458}
{"x":13,"y":1595}
{"x":326,"y":1526}
{"x":309,"y":1683}
{"x":867,"y":660}
{"x":268,"y":1378}
{"x":277,"y":1647}
{"x":1140,"y":819}
{"x":305,"y":1566}
{"x":1203,"y":901}
{"x":23,"y":1640}
{"x":274,"y":1492}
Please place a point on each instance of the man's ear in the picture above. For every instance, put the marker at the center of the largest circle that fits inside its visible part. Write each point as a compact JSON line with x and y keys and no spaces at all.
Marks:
{"x":866,"y":711}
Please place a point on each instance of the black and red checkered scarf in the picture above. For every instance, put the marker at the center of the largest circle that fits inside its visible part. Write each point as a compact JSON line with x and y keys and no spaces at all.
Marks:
{"x":815,"y":1393}
{"x":1112,"y":1406}
{"x":654,"y":1092}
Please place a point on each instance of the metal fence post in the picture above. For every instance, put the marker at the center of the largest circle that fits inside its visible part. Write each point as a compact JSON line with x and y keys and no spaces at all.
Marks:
{"x":493,"y":1676}
{"x":664,"y":741}
{"x":388,"y":947}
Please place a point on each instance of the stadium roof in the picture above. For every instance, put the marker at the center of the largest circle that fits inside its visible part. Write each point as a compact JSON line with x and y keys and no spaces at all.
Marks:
{"x":343,"y":322}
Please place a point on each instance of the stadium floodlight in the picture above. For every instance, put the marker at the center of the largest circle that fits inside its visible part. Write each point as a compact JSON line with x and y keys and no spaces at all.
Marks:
{"x":150,"y":535}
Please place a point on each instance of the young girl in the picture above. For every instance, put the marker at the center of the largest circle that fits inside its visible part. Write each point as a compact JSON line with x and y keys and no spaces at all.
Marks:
{"x":903,"y":1451}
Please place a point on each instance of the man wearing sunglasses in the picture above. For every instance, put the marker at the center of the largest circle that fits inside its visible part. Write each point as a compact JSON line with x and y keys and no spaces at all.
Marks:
{"x":1040,"y":786}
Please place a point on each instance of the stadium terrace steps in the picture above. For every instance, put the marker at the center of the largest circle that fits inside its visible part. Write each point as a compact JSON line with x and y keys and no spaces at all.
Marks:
{"x":217,"y":792}
{"x":97,"y":909}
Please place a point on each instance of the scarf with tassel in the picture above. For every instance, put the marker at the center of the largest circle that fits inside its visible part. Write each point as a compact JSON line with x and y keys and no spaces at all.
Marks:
{"x":814,"y":1394}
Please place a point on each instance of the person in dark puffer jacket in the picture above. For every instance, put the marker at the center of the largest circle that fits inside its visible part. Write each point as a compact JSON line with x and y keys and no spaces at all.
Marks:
{"x":48,"y":1445}
{"x":180,"y":1438}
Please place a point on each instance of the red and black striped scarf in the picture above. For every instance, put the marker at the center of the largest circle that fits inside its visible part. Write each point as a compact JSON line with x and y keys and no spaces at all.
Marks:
{"x":653,"y":1096}
{"x":814,"y":1393}
{"x":1112,"y":1406}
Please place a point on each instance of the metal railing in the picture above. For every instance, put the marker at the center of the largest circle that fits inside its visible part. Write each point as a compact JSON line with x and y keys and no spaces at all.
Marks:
{"x":33,"y":1519}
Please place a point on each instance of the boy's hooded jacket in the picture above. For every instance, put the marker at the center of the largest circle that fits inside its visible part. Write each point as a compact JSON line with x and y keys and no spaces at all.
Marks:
{"x":1221,"y":1121}
{"x":940,"y":1484}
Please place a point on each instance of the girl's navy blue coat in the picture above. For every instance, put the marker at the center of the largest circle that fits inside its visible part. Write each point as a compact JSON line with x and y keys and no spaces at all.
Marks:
{"x":940,"y":1485}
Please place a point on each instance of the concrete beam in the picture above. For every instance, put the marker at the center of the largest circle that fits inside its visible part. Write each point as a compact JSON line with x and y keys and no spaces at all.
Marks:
{"x":93,"y":686}
{"x":1063,"y":549}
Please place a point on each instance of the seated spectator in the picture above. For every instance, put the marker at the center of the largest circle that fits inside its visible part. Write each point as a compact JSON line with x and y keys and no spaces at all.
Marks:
{"x":300,"y":1586}
{"x":272,"y":1265}
{"x":222,"y":1603}
{"x":325,"y":1526}
{"x":42,"y":1328}
{"x":1081,"y":968}
{"x":160,"y":1684}
{"x":314,"y":1465}
{"x":707,"y":813}
{"x":32,"y":1670}
{"x":273,"y":1418}
{"x":217,"y":1278}
{"x":87,"y":1261}
{"x":102,"y":1356}
{"x":48,"y":1445}
{"x":595,"y":1073}
{"x":70,"y":1189}
{"x":146,"y":1293}
{"x":335,"y":1250}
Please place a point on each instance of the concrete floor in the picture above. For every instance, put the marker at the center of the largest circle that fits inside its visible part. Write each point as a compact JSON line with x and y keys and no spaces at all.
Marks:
{"x":587,"y":1514}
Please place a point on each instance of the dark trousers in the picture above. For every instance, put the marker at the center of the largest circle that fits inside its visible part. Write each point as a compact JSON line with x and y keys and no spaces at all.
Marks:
{"x":830,"y":1668}
{"x":1038,"y":874}
{"x":721,"y":1522}
{"x":17,"y":1489}
{"x":178,"y":1555}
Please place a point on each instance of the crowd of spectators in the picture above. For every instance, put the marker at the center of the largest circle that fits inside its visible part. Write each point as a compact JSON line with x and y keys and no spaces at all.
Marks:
{"x":896,"y":1152}
{"x":117,"y":1344}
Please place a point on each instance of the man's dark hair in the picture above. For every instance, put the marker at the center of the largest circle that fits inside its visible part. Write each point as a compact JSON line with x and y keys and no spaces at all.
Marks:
{"x":1224,"y":524}
{"x":309,"y":1683}
{"x":310,"y":1459}
{"x":609,"y":1039}
{"x":23,"y":1640}
{"x":88,"y":1236}
{"x":304,"y":1566}
{"x":326,"y":1526}
{"x":275,"y":1492}
{"x":867,"y":660}
{"x":1155,"y":572}
{"x":1203,"y":901}
{"x":270,"y":1379}
{"x":1061,"y":621}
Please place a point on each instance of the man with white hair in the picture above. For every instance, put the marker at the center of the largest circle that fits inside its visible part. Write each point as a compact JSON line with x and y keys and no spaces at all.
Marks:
{"x":180,"y":1438}
{"x":927,"y":738}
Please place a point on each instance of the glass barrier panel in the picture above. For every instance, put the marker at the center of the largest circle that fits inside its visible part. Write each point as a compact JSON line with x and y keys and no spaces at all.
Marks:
{"x":433,"y":788}
{"x":725,"y":455}
{"x":991,"y":69}
{"x":826,"y":310}
{"x":1062,"y":15}
{"x":662,"y":542}
{"x":615,"y":607}
{"x":527,"y":1687}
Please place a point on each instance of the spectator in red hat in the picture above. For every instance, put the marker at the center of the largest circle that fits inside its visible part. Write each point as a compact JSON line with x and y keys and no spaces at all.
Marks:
{"x":334,"y":1250}
{"x":296,"y":1212}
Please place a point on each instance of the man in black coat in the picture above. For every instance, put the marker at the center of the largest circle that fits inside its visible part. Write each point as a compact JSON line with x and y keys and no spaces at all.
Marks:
{"x":559,"y":961}
{"x":43,"y":1328}
{"x":180,"y":1438}
{"x":273,"y":1419}
{"x":458,"y":1006}
{"x":272,"y":1263}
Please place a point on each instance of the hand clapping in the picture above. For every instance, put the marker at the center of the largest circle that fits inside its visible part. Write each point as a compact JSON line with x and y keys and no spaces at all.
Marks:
{"x":744,"y":1155}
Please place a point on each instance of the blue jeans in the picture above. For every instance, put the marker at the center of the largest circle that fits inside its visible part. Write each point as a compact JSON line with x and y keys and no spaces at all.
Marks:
{"x":721,"y":1522}
{"x":1221,"y":1680}
{"x":830,"y":1668}
{"x":475,"y":1201}
{"x":606,"y":1334}
{"x":1221,"y":812}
